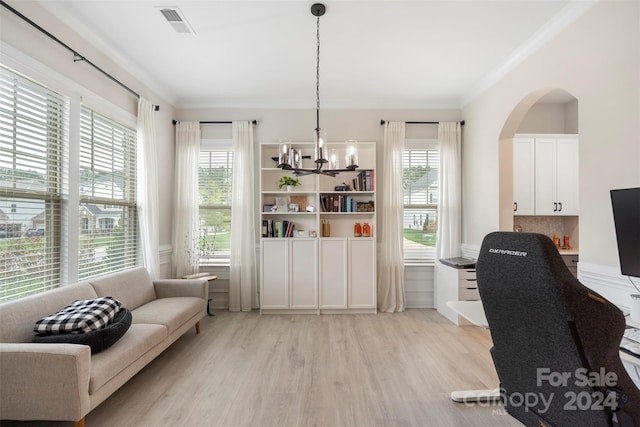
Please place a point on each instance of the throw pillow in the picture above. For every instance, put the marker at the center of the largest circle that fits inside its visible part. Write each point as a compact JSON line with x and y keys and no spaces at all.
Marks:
{"x":80,"y":317}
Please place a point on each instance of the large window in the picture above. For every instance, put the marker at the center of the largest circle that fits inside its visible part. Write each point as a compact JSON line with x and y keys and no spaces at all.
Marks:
{"x":420,"y":184}
{"x":108,"y":212}
{"x":214,"y":187}
{"x":33,"y":122}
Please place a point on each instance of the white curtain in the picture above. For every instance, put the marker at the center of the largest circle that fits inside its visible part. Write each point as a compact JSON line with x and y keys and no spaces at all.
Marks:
{"x":186,"y":231}
{"x":449,"y":191}
{"x":147,"y":189}
{"x":243,"y":290}
{"x":391,"y":263}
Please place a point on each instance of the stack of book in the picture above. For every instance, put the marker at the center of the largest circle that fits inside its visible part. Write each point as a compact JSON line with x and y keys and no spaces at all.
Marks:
{"x":271,"y":228}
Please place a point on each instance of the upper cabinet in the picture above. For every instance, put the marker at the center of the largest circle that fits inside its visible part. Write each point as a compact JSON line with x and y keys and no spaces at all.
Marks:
{"x":545,"y":175}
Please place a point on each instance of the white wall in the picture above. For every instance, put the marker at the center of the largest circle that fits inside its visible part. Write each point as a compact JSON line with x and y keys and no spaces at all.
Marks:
{"x":597,"y":60}
{"x":340,"y":125}
{"x":56,"y":65}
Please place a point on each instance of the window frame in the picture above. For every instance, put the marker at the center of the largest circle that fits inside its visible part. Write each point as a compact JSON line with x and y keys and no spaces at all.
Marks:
{"x":421,"y":145}
{"x":38,"y":116}
{"x":218,"y":145}
{"x":100,"y":128}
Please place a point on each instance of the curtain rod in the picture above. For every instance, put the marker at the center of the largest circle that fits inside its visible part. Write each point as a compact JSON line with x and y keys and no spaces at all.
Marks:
{"x":382,"y":122}
{"x":76,"y":56}
{"x":255,"y":122}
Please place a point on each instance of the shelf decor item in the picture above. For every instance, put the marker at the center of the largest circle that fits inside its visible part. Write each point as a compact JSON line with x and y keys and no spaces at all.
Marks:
{"x":288,"y":182}
{"x":285,"y":160}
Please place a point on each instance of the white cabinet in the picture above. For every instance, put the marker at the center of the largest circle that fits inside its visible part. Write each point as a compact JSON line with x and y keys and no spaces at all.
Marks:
{"x":523,"y":175}
{"x":347,"y":273}
{"x":455,"y":284}
{"x":556,"y":173}
{"x":333,"y":273}
{"x":545,"y":175}
{"x":289,"y":274}
{"x":274,"y":278}
{"x":362,"y":273}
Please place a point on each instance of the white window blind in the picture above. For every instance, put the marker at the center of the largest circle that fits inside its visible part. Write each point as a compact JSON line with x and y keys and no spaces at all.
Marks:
{"x":420,"y":182}
{"x":108,"y":213}
{"x":214,"y":185}
{"x":33,"y":128}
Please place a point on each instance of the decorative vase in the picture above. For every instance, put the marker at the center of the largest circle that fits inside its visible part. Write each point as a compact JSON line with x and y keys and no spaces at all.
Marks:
{"x":290,"y":188}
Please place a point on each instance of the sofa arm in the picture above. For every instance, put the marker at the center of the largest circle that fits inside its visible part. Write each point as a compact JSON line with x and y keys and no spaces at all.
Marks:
{"x":44,"y":381}
{"x":166,"y":288}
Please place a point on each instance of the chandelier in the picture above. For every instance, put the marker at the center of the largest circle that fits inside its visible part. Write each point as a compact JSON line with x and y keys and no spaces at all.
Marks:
{"x":290,"y":158}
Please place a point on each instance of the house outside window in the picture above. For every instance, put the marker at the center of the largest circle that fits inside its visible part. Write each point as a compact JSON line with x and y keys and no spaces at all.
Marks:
{"x":214,"y":190}
{"x":33,"y":131}
{"x":420,"y":185}
{"x":108,"y":212}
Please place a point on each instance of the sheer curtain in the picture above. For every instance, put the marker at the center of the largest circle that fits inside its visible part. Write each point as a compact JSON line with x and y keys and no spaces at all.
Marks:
{"x":185,"y":231}
{"x":449,"y":236}
{"x":147,"y":189}
{"x":243,"y":290}
{"x":391,"y":262}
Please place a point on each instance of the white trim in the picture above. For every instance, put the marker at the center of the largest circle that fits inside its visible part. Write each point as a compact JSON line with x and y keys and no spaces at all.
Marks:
{"x":470,"y":251}
{"x":608,"y":282}
{"x":552,"y":28}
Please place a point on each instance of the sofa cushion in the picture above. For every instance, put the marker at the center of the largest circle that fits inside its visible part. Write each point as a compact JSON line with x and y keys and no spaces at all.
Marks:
{"x":134,"y":344}
{"x":132,"y":287}
{"x":18,"y":317}
{"x":171,"y":312}
{"x":79,"y":317}
{"x":98,"y":340}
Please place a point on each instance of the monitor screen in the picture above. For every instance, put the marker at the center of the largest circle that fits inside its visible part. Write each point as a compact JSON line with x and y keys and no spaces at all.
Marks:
{"x":626,"y":216}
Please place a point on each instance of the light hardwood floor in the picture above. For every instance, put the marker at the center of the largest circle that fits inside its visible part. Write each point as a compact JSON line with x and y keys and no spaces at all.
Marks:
{"x":304,"y":370}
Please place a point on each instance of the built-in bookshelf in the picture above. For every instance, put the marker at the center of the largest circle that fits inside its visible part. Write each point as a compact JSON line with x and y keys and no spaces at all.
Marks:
{"x":315,"y":255}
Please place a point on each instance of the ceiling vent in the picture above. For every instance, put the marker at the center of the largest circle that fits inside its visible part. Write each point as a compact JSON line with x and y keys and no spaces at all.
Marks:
{"x":176,"y":19}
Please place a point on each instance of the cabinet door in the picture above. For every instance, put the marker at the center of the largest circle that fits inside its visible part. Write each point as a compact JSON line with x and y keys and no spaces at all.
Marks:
{"x":274,"y":263}
{"x":567,"y":176}
{"x":333,"y":273}
{"x":362,"y":273}
{"x":304,"y":273}
{"x":523,"y":176}
{"x":545,"y":170}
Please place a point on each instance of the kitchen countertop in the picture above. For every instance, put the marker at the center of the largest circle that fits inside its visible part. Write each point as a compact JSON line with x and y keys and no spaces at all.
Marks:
{"x":572,"y":251}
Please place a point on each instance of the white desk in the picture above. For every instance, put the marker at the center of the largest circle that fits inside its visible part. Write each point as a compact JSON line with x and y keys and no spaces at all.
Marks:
{"x":474,"y":313}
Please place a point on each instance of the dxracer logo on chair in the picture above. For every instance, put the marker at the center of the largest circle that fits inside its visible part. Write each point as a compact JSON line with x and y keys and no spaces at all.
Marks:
{"x":507,"y":252}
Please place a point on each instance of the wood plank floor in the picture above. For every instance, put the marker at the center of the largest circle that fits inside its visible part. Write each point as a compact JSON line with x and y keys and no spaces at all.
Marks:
{"x":305,"y":370}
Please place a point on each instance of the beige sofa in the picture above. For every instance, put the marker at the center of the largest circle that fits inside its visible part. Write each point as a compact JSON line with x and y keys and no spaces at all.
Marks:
{"x":64,"y":382}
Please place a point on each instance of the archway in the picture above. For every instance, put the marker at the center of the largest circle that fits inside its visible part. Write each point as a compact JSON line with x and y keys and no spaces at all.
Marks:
{"x":548,"y":111}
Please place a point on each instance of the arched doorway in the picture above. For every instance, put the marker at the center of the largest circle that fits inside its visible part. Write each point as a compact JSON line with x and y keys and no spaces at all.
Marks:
{"x":545,"y":111}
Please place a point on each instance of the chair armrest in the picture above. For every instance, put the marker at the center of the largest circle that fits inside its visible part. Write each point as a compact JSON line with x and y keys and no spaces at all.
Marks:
{"x":44,"y":381}
{"x":167,"y":288}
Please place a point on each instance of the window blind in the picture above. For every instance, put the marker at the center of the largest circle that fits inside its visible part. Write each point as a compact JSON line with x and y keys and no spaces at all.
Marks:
{"x":108,"y":213}
{"x":420,"y":182}
{"x":215,"y":172}
{"x":33,"y":128}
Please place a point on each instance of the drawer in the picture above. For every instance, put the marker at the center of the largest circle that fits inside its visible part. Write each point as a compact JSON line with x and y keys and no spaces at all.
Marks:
{"x":468,"y":294}
{"x":466,"y":274}
{"x":570,"y":260}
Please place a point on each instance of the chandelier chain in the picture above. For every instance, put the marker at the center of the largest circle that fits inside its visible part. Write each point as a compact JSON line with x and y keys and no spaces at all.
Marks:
{"x":318,"y":67}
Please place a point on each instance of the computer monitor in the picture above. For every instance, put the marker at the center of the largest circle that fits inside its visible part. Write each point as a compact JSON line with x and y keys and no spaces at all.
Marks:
{"x":626,"y":216}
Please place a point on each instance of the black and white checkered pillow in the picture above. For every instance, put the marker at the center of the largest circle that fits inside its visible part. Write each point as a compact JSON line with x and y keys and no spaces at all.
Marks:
{"x":79,"y":317}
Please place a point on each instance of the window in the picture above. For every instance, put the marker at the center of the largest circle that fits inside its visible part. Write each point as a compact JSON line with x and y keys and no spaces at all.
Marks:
{"x":33,"y":122}
{"x":108,"y":212}
{"x":420,"y":184}
{"x":214,"y":187}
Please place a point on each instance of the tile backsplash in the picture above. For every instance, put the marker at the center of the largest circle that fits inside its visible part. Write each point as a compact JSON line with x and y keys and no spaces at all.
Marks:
{"x":550,"y":225}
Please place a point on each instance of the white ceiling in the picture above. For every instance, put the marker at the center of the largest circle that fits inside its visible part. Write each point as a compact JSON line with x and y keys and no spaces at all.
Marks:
{"x":374,"y":54}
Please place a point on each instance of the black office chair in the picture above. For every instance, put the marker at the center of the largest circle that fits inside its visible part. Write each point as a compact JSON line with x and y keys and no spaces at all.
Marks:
{"x":555,"y":341}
